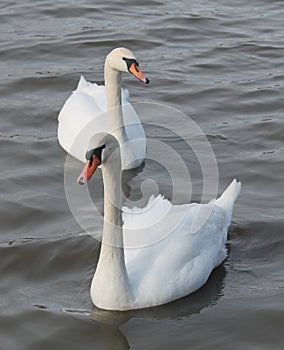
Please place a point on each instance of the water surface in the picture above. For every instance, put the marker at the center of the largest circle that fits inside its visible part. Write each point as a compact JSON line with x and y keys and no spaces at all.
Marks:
{"x":220,"y":63}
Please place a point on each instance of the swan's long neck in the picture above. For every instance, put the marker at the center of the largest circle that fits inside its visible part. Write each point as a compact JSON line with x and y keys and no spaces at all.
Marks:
{"x":113,"y":93}
{"x":112,"y":232}
{"x":110,"y":286}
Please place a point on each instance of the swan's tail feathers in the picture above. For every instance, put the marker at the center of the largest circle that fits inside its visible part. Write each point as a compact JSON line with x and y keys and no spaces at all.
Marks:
{"x":228,"y":198}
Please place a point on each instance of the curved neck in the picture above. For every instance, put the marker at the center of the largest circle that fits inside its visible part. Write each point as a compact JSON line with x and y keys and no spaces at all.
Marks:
{"x":113,"y":94}
{"x":111,"y":284}
{"x":112,"y":231}
{"x":113,"y":86}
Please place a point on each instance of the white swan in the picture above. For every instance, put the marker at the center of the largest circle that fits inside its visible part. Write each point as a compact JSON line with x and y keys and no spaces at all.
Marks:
{"x":92,"y":109}
{"x":188,"y":242}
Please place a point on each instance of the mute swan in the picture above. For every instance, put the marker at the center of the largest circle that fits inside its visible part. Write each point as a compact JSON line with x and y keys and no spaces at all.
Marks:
{"x":89,"y":101}
{"x":180,"y":260}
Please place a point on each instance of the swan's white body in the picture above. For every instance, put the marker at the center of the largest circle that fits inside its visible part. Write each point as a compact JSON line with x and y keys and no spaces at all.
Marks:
{"x":92,"y":109}
{"x":162,"y":252}
{"x":182,"y":262}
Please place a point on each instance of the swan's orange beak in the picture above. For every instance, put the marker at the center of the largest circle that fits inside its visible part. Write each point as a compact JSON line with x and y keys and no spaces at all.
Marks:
{"x":136,"y":71}
{"x":88,"y":170}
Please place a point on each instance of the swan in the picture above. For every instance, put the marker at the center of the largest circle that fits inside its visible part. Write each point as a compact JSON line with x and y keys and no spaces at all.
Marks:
{"x":85,"y":109}
{"x":187,"y":242}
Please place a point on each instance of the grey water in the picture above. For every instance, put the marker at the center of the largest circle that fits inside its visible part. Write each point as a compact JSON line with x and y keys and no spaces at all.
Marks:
{"x":218,"y":62}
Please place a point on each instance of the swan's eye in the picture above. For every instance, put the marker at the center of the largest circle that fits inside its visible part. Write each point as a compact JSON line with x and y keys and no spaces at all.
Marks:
{"x":95,"y":152}
{"x":130,"y":61}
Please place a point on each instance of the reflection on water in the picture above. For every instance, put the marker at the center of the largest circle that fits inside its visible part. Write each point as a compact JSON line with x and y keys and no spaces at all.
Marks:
{"x":110,"y":321}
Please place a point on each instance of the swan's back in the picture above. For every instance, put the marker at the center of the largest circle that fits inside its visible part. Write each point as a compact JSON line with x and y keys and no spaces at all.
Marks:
{"x":180,"y":262}
{"x":83,"y":115}
{"x":79,"y":110}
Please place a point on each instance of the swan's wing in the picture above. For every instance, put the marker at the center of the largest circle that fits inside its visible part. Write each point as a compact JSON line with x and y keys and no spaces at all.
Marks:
{"x":137,"y":217}
{"x":146,"y":227}
{"x":95,"y":91}
{"x":160,"y":221}
{"x":142,"y":226}
{"x":131,"y":119}
{"x":182,"y":261}
{"x":76,"y":117}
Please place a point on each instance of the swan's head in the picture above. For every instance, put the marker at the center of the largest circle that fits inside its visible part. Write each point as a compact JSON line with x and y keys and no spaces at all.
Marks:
{"x":123,"y":60}
{"x":106,"y":151}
